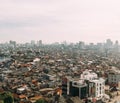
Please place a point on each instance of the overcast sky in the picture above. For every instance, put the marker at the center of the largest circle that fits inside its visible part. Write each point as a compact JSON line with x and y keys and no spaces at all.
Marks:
{"x":59,"y":20}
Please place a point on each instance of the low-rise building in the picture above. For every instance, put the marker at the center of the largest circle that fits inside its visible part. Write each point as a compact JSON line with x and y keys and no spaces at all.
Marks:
{"x":114,"y":77}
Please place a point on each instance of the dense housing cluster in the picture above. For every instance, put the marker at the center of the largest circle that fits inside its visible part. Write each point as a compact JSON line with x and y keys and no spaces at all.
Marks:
{"x":60,"y":73}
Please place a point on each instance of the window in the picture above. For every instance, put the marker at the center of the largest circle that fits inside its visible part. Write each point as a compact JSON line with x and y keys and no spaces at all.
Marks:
{"x":103,"y":87}
{"x":75,"y":83}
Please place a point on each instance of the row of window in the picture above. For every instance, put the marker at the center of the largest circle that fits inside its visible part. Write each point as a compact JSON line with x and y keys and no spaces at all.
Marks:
{"x":100,"y":92}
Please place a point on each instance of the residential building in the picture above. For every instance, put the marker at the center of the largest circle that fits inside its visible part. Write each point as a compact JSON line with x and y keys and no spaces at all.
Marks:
{"x":96,"y":88}
{"x":88,"y":75}
{"x":95,"y":84}
{"x":114,"y":76}
{"x":89,"y":85}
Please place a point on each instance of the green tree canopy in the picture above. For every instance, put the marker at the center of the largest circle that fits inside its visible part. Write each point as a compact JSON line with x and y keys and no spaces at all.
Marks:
{"x":40,"y":101}
{"x":6,"y":97}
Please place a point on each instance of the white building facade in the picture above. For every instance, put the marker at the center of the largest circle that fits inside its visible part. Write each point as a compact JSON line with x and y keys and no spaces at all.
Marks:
{"x":99,"y":87}
{"x":88,"y":75}
{"x":96,"y":85}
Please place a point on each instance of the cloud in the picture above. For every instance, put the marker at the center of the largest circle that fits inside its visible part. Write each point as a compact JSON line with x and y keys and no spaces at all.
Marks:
{"x":53,"y":20}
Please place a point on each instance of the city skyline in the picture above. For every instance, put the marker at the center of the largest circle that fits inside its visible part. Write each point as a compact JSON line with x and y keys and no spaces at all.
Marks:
{"x":58,"y":21}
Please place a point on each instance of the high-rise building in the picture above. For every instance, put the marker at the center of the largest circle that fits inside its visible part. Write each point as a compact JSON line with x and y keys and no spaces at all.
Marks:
{"x":32,"y":42}
{"x":12,"y":43}
{"x":39,"y":43}
{"x":109,"y":43}
{"x":81,"y":45}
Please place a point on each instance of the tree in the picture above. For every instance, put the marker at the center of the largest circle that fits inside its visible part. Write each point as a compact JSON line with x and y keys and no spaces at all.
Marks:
{"x":6,"y":97}
{"x":40,"y":101}
{"x":9,"y":99}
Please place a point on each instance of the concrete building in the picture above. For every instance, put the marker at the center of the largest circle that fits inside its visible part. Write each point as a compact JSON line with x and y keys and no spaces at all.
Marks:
{"x":89,"y":85}
{"x":96,"y":88}
{"x":74,"y":88}
{"x":114,"y":76}
{"x":88,"y":75}
{"x":39,"y":43}
{"x":95,"y":85}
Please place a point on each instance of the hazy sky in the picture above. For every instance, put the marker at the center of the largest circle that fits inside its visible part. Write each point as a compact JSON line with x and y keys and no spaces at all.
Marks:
{"x":59,"y":20}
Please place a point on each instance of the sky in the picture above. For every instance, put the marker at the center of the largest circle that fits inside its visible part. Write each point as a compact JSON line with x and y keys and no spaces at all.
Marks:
{"x":59,"y":20}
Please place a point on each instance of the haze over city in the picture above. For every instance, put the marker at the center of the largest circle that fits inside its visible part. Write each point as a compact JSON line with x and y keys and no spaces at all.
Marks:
{"x":59,"y":51}
{"x":57,"y":21}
